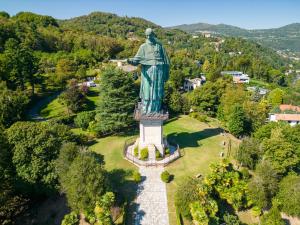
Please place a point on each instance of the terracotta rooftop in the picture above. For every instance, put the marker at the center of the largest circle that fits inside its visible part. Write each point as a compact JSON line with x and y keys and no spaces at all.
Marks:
{"x":288,"y":117}
{"x":289,"y":107}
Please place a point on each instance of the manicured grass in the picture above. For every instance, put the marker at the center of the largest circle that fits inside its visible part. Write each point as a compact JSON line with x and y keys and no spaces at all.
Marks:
{"x":201,"y":144}
{"x":112,"y":149}
{"x":53,"y":109}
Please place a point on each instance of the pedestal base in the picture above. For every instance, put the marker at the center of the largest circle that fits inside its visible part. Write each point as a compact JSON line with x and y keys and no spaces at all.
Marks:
{"x":151,"y":133}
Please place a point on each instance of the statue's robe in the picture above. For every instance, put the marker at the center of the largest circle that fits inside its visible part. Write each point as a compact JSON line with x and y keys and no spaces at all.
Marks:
{"x":155,"y":72}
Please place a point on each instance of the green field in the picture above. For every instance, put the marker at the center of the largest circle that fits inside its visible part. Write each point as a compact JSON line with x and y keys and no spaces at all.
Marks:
{"x":55,"y":109}
{"x":201,"y":144}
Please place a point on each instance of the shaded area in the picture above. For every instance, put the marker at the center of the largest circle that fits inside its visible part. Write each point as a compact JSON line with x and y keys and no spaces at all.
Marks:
{"x":190,"y":139}
{"x":34,"y":112}
{"x":50,"y":211}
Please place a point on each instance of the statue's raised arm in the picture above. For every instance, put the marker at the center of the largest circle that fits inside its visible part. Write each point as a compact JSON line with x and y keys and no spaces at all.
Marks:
{"x":155,"y":72}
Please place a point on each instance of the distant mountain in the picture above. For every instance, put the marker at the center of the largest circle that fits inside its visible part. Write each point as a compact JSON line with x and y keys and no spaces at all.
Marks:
{"x":282,"y":38}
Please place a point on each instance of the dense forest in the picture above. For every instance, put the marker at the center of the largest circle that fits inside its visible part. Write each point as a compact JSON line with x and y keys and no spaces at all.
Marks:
{"x":40,"y":56}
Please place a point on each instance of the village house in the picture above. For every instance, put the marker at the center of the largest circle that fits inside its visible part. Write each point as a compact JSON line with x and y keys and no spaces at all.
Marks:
{"x":287,"y":113}
{"x":237,"y":77}
{"x":191,"y":84}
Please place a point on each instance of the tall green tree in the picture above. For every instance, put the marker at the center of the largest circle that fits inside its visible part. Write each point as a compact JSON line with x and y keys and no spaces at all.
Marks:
{"x":118,"y":96}
{"x":35,"y":146}
{"x":12,"y":105}
{"x":289,"y":195}
{"x":20,"y":65}
{"x":84,"y":183}
{"x":237,"y":121}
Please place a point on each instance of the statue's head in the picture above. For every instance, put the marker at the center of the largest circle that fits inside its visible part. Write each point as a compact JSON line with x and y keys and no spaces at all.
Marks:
{"x":150,"y":34}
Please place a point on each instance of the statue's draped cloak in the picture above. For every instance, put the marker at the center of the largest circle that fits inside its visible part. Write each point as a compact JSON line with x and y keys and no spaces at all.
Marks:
{"x":155,"y":72}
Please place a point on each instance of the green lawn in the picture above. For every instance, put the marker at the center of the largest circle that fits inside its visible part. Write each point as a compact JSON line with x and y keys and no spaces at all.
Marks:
{"x":111,"y":148}
{"x":55,"y":109}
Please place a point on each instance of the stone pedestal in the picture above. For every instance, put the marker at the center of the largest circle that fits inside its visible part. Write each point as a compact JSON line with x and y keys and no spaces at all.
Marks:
{"x":151,"y":133}
{"x":151,"y":130}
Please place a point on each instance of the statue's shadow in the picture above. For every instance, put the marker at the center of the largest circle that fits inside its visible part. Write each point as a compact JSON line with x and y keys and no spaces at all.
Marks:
{"x":191,"y":139}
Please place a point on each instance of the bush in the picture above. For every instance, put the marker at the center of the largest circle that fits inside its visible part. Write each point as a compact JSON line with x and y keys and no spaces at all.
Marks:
{"x":136,"y":151}
{"x":144,"y":154}
{"x":200,"y":117}
{"x":83,"y":119}
{"x":158,"y":155}
{"x":165,"y":176}
{"x":273,"y":217}
{"x":137,"y":177}
{"x":70,"y":219}
{"x":167,"y":151}
{"x":231,"y":219}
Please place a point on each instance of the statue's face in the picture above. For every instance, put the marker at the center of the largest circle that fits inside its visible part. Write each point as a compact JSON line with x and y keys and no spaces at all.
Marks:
{"x":151,"y":37}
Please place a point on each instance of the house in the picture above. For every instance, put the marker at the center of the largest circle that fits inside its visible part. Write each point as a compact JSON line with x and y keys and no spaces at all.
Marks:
{"x":125,"y":67}
{"x":288,"y":113}
{"x":259,"y":90}
{"x":292,"y":119}
{"x":191,"y":84}
{"x":237,"y":76}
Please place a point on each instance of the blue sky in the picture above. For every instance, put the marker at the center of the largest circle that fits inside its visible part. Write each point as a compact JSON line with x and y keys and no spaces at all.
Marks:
{"x":243,"y":13}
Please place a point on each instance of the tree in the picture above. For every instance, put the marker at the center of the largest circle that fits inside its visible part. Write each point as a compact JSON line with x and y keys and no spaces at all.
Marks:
{"x":264,"y":184}
{"x":20,"y":65}
{"x":85,"y":182}
{"x":275,"y":97}
{"x":175,"y":103}
{"x":68,"y":152}
{"x":186,"y":193}
{"x":281,"y":154}
{"x":249,"y":152}
{"x":73,"y":98}
{"x":12,"y":105}
{"x":231,"y":220}
{"x":272,"y":217}
{"x":118,"y":96}
{"x":65,"y":70}
{"x":205,"y":209}
{"x":35,"y":148}
{"x":83,"y":119}
{"x":70,"y":219}
{"x":237,"y":122}
{"x":102,"y":209}
{"x":289,"y":195}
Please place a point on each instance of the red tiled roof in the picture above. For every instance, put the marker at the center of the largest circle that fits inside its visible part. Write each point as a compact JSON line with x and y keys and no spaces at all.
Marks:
{"x":288,"y":117}
{"x":289,"y":107}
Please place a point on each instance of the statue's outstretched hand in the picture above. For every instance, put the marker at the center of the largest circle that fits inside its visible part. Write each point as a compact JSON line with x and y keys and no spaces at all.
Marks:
{"x":132,"y":61}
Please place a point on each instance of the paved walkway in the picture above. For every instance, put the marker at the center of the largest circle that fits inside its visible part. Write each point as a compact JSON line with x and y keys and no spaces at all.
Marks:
{"x":151,"y":201}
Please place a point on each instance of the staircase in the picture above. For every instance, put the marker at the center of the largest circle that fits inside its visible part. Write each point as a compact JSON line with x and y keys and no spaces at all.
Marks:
{"x":151,"y":150}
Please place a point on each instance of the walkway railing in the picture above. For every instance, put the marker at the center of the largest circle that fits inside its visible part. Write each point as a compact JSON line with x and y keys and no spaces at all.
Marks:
{"x":163,"y":162}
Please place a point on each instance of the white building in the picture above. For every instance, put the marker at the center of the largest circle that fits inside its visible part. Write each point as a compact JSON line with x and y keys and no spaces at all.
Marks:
{"x":292,"y":119}
{"x":237,"y":76}
{"x":191,"y":84}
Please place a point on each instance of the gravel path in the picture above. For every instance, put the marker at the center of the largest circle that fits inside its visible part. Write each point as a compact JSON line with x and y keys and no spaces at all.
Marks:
{"x":151,"y":201}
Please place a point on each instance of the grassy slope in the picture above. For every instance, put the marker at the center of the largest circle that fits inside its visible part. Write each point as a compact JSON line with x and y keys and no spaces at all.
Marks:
{"x":55,"y":109}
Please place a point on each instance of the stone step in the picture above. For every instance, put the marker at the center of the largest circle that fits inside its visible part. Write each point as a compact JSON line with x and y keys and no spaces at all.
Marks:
{"x":151,"y":150}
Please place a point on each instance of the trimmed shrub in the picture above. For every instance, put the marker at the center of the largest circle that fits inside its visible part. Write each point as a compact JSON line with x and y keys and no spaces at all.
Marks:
{"x":83,"y":119}
{"x":158,"y":155}
{"x":137,"y":177}
{"x":167,"y":151}
{"x":165,"y":176}
{"x":144,"y":154}
{"x":136,"y":151}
